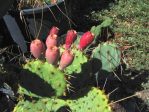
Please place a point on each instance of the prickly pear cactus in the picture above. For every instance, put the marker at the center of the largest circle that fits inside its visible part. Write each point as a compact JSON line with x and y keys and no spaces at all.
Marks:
{"x":41,"y":105}
{"x":44,"y":83}
{"x":109,"y":55}
{"x":94,"y":101}
{"x":42,"y":73}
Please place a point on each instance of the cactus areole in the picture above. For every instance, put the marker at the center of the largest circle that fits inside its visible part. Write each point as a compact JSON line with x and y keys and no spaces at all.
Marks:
{"x":86,"y":39}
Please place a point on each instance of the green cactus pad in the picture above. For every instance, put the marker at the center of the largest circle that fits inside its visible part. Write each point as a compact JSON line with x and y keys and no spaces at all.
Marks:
{"x":96,"y":30}
{"x":94,"y":101}
{"x":26,"y":106}
{"x":107,"y":22}
{"x":42,"y":73}
{"x":108,"y":54}
{"x":42,"y":105}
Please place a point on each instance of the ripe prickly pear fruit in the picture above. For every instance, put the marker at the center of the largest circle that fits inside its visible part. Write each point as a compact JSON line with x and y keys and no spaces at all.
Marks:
{"x":52,"y":54}
{"x":54,"y":30}
{"x":51,"y":40}
{"x":37,"y":48}
{"x":66,"y":59}
{"x":85,"y":40}
{"x":70,"y":37}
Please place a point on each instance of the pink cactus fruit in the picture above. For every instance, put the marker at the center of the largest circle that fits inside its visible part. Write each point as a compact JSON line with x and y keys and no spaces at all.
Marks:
{"x":70,"y":37}
{"x":37,"y":48}
{"x":66,"y":59}
{"x":85,"y":40}
{"x":52,"y":54}
{"x":51,"y":40}
{"x":54,"y":31}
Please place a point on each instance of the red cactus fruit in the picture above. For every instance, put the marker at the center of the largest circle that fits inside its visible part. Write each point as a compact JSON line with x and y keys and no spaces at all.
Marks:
{"x":51,"y":40}
{"x":52,"y":54}
{"x":37,"y":48}
{"x":54,"y":30}
{"x":66,"y":59}
{"x":70,"y":37}
{"x":85,"y":40}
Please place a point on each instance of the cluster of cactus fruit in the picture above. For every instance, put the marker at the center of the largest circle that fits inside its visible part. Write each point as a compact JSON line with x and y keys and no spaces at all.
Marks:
{"x":52,"y":53}
{"x":48,"y":77}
